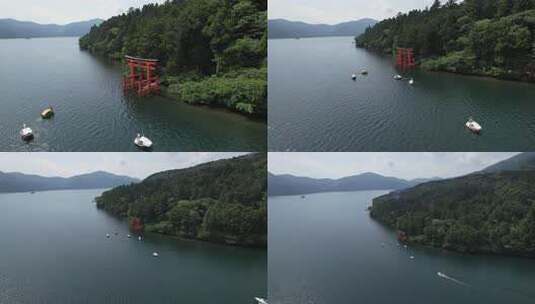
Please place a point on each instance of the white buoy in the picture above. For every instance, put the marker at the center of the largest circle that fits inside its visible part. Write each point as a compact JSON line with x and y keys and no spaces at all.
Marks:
{"x":108,"y":235}
{"x":354,"y":77}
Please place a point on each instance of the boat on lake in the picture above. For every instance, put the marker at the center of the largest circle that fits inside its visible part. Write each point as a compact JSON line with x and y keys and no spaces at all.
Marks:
{"x":26,"y":133}
{"x":364,"y":72}
{"x":47,"y":113}
{"x":260,"y":300}
{"x":142,"y":142}
{"x":398,"y":77}
{"x":411,"y":82}
{"x":155,"y":254}
{"x":473,"y":126}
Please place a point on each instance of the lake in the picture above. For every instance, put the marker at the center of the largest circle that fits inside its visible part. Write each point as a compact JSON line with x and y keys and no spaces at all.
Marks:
{"x":53,"y":249}
{"x":314,"y":105}
{"x":326,"y":249}
{"x":93,"y":114}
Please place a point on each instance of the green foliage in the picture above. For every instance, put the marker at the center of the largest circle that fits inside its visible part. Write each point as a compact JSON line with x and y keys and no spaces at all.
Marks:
{"x":491,"y":38}
{"x":484,"y":212}
{"x":195,"y":37}
{"x":222,"y":201}
{"x":244,"y":91}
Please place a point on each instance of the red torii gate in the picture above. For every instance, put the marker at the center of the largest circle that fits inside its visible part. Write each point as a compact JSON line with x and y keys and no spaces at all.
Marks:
{"x":405,"y":58}
{"x":146,"y":81}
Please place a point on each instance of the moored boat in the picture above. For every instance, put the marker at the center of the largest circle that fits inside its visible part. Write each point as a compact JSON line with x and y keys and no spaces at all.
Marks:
{"x":473,"y":126}
{"x":142,"y":142}
{"x":26,"y":133}
{"x":47,"y":113}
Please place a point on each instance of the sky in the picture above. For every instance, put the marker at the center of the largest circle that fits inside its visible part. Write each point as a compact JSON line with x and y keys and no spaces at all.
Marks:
{"x":138,"y":165}
{"x":66,"y":11}
{"x":336,"y":11}
{"x":400,"y":165}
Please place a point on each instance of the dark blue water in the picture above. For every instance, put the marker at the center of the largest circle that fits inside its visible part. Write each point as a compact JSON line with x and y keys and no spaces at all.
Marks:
{"x":92,"y":113}
{"x":326,"y":249}
{"x":315,"y":106}
{"x":53,"y":249}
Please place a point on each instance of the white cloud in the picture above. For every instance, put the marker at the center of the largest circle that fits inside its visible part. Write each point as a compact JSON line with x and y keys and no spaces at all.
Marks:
{"x":138,"y":165}
{"x":401,"y":165}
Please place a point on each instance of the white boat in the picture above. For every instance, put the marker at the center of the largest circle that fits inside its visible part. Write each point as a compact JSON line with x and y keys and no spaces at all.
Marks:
{"x":108,"y":235}
{"x":473,"y":126}
{"x":142,"y":142}
{"x":26,"y":133}
{"x":412,"y":257}
{"x":155,"y":254}
{"x":261,"y":300}
{"x":398,"y":77}
{"x":411,"y":82}
{"x":139,"y":238}
{"x":364,"y":72}
{"x":128,"y":236}
{"x":354,"y":77}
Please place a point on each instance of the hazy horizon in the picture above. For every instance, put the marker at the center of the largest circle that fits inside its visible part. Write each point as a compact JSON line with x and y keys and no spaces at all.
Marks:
{"x":404,"y":165}
{"x":138,"y":165}
{"x":62,"y":12}
{"x":338,"y":11}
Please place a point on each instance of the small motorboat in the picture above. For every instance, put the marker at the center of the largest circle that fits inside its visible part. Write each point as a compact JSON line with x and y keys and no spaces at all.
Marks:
{"x":108,"y":235}
{"x":364,"y":72}
{"x":26,"y":133}
{"x":142,"y":142}
{"x":260,"y":300}
{"x":47,"y":113}
{"x":411,"y":82}
{"x":139,"y":238}
{"x":354,"y":77}
{"x":398,"y":77}
{"x":473,"y":126}
{"x":412,"y":257}
{"x":155,"y":254}
{"x":128,"y":236}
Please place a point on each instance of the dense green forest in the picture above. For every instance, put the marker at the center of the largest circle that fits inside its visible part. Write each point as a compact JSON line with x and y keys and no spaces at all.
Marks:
{"x":481,"y":212}
{"x":213,"y":52}
{"x":480,"y":37}
{"x":222,"y":201}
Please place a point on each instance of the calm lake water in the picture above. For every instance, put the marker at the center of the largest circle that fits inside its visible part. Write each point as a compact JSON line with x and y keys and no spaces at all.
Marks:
{"x":53,"y":249}
{"x":326,"y":249}
{"x":92,"y":113}
{"x":315,"y":106}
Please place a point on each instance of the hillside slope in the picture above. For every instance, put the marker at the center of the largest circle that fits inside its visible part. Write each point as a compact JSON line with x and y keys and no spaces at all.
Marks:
{"x":481,"y":212}
{"x":280,"y":28}
{"x":10,"y":28}
{"x":213,"y":52}
{"x":489,"y":38}
{"x":18,"y":182}
{"x":222,"y":201}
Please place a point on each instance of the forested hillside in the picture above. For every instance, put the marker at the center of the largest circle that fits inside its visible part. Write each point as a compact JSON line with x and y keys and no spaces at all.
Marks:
{"x":491,"y":38}
{"x":281,"y":28}
{"x":222,"y":201}
{"x":481,"y":212}
{"x":213,"y":51}
{"x":10,"y":28}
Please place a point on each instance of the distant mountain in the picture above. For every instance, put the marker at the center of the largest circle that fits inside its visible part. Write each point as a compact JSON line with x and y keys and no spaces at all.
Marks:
{"x":293,"y":185}
{"x":520,"y":162}
{"x":11,"y":28}
{"x":490,"y":211}
{"x":280,"y":28}
{"x":18,"y":182}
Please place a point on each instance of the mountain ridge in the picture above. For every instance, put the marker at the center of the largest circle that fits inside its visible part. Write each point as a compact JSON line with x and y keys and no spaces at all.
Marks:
{"x":287,"y":184}
{"x":12,"y":182}
{"x":12,"y":28}
{"x":282,"y":28}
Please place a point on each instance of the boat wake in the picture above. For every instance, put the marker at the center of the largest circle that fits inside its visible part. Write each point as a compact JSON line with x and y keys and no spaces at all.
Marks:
{"x":444,"y":276}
